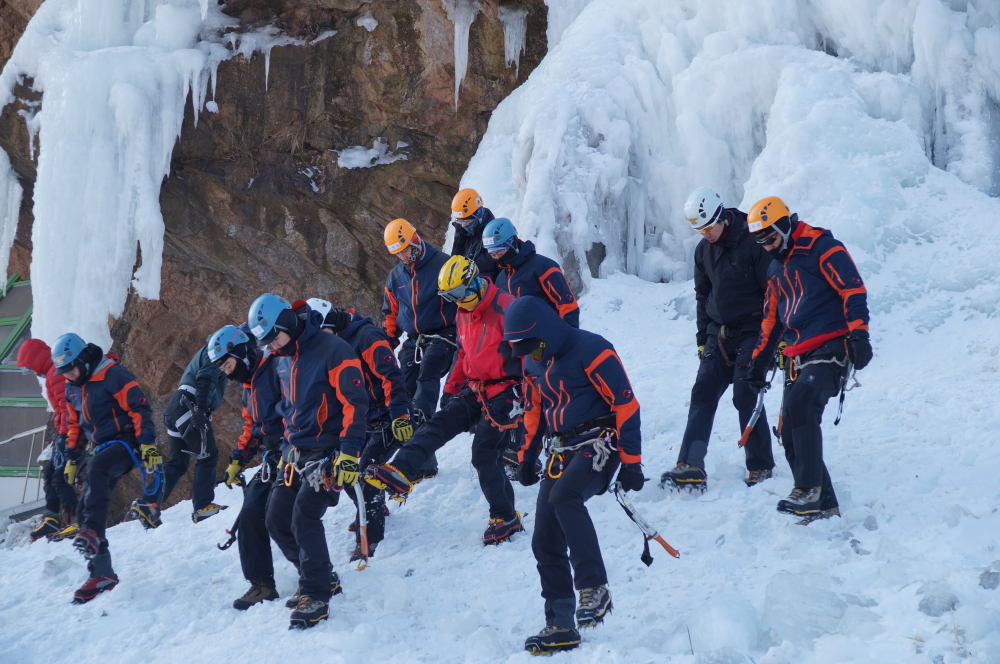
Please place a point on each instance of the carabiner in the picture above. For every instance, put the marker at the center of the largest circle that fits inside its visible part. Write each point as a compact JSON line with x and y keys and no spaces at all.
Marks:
{"x":548,"y":471}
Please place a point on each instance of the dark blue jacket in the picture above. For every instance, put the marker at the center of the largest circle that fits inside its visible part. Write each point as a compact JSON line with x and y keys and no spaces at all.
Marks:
{"x":579,"y":379}
{"x":814,"y":296}
{"x":411,"y":303}
{"x":470,"y":245}
{"x":261,"y":406}
{"x":325,"y":401}
{"x":529,"y":273}
{"x":109,"y":406}
{"x":209,"y":381}
{"x":383,"y":379}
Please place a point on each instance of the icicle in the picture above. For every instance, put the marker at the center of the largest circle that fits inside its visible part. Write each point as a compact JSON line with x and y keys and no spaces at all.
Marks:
{"x":10,"y":207}
{"x":462,"y":13}
{"x":514,"y":19}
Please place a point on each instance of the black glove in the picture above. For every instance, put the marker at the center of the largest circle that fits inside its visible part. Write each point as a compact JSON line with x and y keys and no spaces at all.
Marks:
{"x":859,"y":348}
{"x":756,"y":375}
{"x":527,"y":474}
{"x":445,"y":398}
{"x":199,"y":418}
{"x":630,"y":476}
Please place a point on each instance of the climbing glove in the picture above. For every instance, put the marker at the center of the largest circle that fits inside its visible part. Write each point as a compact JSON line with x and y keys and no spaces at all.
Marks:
{"x":346,"y":469}
{"x":402,"y":428}
{"x":781,"y":355}
{"x":233,"y":473}
{"x":859,"y":348}
{"x":150,"y":456}
{"x":630,"y":476}
{"x":198,"y":418}
{"x":527,"y":473}
{"x":756,"y":376}
{"x":701,"y":352}
{"x":69,"y":470}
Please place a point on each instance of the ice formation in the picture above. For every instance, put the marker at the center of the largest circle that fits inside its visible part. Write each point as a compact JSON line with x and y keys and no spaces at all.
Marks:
{"x":639,"y":101}
{"x":10,"y":206}
{"x":115,"y":76}
{"x":462,"y":13}
{"x":368,"y":22}
{"x":378,"y":155}
{"x":514,"y":19}
{"x":263,"y":40}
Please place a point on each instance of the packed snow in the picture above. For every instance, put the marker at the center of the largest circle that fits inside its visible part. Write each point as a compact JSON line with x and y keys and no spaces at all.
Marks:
{"x":368,"y":22}
{"x":378,"y":155}
{"x":898,"y":578}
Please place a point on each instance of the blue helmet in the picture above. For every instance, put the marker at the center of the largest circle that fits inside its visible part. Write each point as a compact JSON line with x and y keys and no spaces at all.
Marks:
{"x":263,"y":317}
{"x":499,"y":234}
{"x":224,"y":341}
{"x":66,"y":350}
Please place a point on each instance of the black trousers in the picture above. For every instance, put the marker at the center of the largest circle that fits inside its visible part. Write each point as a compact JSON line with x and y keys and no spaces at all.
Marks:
{"x":487,"y":447}
{"x":103,"y":472}
{"x":58,"y":494}
{"x":295,"y":522}
{"x":184,"y":442}
{"x":251,"y":533}
{"x":379,"y":447}
{"x":562,"y":523}
{"x":423,"y":379}
{"x":805,"y":400}
{"x":715,"y":375}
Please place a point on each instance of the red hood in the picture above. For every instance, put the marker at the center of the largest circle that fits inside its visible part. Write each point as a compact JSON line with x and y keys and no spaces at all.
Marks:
{"x":36,"y":356}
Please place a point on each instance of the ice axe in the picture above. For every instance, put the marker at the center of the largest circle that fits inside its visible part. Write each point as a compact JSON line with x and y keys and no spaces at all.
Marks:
{"x":232,"y":535}
{"x":647,"y":531}
{"x":362,"y":524}
{"x":757,"y":410}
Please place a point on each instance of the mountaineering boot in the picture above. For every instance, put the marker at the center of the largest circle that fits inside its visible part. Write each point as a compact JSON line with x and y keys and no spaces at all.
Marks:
{"x":209,"y":510}
{"x":308,"y":612}
{"x":823,"y":514}
{"x":335,"y":589}
{"x":87,"y":542}
{"x":425,"y":474}
{"x":757,"y":476}
{"x":357,"y":552}
{"x":94,"y":586}
{"x":593,"y":605}
{"x":148,"y":514}
{"x":387,"y":478}
{"x":499,"y":530}
{"x":684,"y":476}
{"x":48,"y":527}
{"x":552,"y":639}
{"x":259,"y":592}
{"x":68,"y":532}
{"x":802,"y":502}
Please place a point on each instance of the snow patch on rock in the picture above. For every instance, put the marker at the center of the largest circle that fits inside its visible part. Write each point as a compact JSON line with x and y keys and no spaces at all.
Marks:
{"x":378,"y":155}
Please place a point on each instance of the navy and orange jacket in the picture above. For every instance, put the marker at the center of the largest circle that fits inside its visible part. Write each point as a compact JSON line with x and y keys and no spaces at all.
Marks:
{"x":383,"y":379}
{"x":814,"y":296}
{"x":109,"y":406}
{"x":530,"y":273}
{"x":261,"y":407}
{"x":579,"y":379}
{"x":483,"y":355}
{"x":36,"y":356}
{"x":411,"y":303}
{"x":325,"y":402}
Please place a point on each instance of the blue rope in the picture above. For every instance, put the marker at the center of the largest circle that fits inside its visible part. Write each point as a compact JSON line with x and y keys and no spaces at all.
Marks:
{"x":131,"y":453}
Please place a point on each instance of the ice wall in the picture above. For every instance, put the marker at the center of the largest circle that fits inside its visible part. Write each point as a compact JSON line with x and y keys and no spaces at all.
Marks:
{"x":10,"y":205}
{"x":462,"y":13}
{"x":114,"y":76}
{"x":514,"y":19}
{"x":845,"y":107}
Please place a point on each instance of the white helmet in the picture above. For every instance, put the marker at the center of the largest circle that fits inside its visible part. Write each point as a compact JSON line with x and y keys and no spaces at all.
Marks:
{"x":703,"y":208}
{"x":319,"y":305}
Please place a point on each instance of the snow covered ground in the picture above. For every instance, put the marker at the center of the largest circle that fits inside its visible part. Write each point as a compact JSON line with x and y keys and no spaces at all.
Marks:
{"x":914,"y":463}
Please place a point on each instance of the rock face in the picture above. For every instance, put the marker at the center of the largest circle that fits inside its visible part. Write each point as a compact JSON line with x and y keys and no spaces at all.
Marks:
{"x":256,"y":200}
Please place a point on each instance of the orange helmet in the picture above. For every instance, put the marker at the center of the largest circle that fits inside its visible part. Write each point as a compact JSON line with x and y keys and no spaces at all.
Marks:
{"x":765,"y":212}
{"x":399,"y":234}
{"x":465,"y":203}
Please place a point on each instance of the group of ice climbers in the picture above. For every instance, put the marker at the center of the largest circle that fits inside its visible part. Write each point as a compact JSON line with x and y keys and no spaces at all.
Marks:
{"x":333,"y":402}
{"x":773,"y":293}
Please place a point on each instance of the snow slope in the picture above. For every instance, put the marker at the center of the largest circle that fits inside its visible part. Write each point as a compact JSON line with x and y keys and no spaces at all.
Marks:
{"x":915,"y":458}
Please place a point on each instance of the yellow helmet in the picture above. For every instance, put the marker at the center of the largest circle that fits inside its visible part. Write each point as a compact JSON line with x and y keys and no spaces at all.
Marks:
{"x":459,"y":282}
{"x":399,"y":234}
{"x":765,"y":212}
{"x":465,"y":204}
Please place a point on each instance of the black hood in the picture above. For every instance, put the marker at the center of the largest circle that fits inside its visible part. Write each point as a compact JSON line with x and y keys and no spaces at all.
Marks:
{"x":531,"y":317}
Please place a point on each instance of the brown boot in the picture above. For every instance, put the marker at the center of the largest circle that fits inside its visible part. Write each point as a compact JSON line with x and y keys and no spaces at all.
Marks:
{"x":259,"y":592}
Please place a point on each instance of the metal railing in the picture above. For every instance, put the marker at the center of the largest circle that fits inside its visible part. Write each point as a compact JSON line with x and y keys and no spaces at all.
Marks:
{"x":27,"y":470}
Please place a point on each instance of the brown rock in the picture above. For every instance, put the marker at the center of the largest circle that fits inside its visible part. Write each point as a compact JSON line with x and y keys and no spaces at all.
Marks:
{"x":256,"y":201}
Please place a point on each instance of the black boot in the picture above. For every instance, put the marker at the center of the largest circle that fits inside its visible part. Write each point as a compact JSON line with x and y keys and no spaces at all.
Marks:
{"x":308,"y":612}
{"x":49,"y":526}
{"x":684,"y":476}
{"x":595,"y":603}
{"x":552,"y":639}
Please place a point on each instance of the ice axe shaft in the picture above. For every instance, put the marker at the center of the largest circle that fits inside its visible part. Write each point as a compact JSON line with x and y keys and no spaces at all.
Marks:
{"x":362,"y":523}
{"x":647,"y":530}
{"x":753,"y":417}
